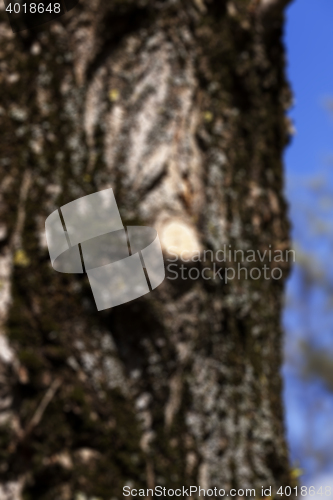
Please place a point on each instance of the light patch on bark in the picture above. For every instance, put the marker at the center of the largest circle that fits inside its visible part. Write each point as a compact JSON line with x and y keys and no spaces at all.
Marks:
{"x":271,"y":8}
{"x":6,"y":264}
{"x":174,"y":401}
{"x":6,"y":353}
{"x":5,"y":288}
{"x":203,"y":476}
{"x":21,"y":212}
{"x":179,"y":238}
{"x":93,"y":105}
{"x":12,"y":490}
{"x":269,"y":4}
{"x":114,"y":121}
{"x":145,"y":122}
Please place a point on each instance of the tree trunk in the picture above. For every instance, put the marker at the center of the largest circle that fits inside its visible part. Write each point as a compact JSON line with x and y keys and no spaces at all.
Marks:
{"x":179,"y":106}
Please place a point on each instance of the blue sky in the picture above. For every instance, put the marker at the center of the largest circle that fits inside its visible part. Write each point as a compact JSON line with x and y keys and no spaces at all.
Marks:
{"x":309,"y":41}
{"x":309,"y":44}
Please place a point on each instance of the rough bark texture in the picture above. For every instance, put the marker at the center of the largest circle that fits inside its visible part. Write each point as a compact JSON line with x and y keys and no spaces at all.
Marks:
{"x":180,"y":107}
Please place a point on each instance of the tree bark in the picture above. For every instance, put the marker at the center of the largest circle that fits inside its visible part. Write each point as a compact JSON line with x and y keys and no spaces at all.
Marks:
{"x":179,"y":106}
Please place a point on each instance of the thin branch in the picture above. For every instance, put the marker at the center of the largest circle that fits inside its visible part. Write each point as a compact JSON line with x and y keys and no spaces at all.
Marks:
{"x":24,"y":190}
{"x":50,"y":393}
